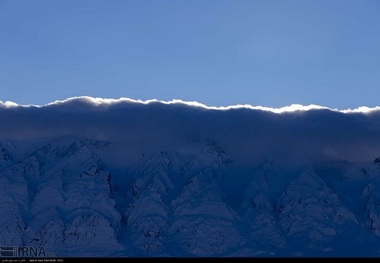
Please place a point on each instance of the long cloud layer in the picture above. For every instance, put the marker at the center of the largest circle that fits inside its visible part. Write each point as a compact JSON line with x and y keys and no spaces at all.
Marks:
{"x":246,"y":132}
{"x":92,"y":101}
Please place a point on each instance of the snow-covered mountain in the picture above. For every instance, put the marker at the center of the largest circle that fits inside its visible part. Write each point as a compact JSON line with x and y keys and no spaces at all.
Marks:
{"x":191,"y":188}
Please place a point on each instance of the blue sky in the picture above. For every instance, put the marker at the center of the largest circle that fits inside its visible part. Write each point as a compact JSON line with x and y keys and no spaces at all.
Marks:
{"x":269,"y":53}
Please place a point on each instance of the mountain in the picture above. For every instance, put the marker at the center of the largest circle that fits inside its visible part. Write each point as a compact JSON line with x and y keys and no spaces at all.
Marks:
{"x":62,"y":197}
{"x":136,"y":180}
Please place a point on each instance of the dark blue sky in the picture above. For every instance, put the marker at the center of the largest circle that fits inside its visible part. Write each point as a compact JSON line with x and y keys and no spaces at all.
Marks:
{"x":269,"y":53}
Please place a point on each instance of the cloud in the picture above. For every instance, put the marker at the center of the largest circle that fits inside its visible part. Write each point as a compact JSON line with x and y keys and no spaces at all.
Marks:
{"x":106,"y":102}
{"x":362,"y":109}
{"x":8,"y":104}
{"x":248,"y":133}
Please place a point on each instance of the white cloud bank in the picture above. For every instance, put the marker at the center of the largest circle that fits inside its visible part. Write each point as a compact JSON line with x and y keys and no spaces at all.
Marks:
{"x":246,"y":132}
{"x":105,"y":102}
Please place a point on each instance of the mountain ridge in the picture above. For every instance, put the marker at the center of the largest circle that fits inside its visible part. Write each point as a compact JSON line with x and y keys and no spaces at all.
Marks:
{"x":176,"y":204}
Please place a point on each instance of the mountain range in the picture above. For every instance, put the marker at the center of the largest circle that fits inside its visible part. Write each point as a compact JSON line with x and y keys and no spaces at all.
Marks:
{"x":174,"y":180}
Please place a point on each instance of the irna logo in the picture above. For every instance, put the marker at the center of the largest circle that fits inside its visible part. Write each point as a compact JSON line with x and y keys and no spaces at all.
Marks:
{"x":21,"y":251}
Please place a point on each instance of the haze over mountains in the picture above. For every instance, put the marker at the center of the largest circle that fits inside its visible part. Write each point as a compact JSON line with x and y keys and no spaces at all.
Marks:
{"x":97,"y":177}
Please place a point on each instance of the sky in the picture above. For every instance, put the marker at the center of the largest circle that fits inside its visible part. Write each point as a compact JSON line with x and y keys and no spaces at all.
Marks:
{"x":217,"y":52}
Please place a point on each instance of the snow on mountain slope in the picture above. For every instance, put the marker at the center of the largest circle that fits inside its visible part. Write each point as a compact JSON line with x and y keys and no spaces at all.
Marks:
{"x":370,"y":195}
{"x":259,"y":206}
{"x":311,"y":212}
{"x":202,"y":221}
{"x":61,"y":199}
{"x":165,"y":205}
{"x":60,"y":196}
